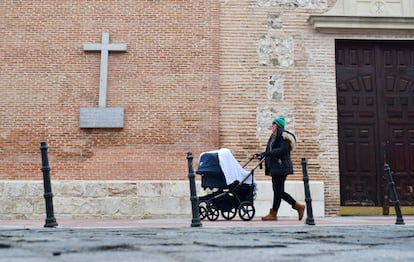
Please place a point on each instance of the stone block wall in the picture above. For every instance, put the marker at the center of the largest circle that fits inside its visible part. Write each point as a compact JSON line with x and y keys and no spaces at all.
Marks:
{"x":129,"y":199}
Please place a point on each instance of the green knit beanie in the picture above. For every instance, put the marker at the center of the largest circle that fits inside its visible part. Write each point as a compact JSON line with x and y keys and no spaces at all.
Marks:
{"x":279,"y":121}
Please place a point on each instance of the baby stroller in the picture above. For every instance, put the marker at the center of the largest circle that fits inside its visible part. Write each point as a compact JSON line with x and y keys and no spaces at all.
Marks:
{"x":233,"y":188}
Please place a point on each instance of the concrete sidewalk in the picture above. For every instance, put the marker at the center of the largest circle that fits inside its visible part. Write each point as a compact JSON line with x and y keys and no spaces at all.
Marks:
{"x":186,"y":222}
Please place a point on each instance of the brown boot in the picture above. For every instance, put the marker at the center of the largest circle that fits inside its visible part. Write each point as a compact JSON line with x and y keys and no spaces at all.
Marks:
{"x":300,"y":208}
{"x":271,"y":216}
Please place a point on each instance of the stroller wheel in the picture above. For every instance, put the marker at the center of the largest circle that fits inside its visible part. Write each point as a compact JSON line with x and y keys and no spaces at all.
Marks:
{"x":202,"y":212}
{"x":212,"y":213}
{"x":230,"y":214}
{"x":246,"y":211}
{"x":202,"y":209}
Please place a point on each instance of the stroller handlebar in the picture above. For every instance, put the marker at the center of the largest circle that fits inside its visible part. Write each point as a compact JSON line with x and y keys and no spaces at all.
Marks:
{"x":259,"y":157}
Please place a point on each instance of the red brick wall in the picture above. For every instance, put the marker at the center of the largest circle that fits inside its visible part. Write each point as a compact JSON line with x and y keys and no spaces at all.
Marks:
{"x":190,"y":81}
{"x":244,"y":84}
{"x":167,"y":82}
{"x":309,"y":90}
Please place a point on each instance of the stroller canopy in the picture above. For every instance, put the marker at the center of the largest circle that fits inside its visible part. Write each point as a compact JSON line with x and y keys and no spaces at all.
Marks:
{"x":215,"y":164}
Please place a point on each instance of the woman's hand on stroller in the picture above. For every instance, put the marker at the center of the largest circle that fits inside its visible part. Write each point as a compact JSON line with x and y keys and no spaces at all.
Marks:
{"x":259,"y":156}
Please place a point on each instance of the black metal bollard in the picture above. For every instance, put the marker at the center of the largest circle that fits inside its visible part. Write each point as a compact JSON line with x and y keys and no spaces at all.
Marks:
{"x":308,"y":199}
{"x":50,"y":217}
{"x":394,"y":196}
{"x":195,"y":222}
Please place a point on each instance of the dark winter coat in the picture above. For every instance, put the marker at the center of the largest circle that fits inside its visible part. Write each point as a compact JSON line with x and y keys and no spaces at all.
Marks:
{"x":277,"y":153}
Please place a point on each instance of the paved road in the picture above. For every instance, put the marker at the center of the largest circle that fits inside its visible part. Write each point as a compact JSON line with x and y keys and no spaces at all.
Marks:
{"x":339,"y":240}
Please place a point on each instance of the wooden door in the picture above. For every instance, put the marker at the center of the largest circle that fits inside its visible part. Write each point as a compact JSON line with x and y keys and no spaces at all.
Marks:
{"x":375,"y":98}
{"x":397,"y":72}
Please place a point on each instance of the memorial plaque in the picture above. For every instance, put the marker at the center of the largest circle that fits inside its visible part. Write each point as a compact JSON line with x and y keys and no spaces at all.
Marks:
{"x":101,"y":117}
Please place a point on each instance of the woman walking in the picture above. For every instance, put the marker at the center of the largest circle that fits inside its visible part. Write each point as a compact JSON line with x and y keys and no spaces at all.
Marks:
{"x":278,"y":165}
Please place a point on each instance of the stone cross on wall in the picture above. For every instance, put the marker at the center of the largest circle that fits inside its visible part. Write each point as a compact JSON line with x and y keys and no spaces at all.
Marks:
{"x":104,"y":47}
{"x":103,"y":117}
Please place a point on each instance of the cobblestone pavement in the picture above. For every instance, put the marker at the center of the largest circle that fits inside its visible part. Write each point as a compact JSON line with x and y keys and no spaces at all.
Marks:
{"x":331,"y":239}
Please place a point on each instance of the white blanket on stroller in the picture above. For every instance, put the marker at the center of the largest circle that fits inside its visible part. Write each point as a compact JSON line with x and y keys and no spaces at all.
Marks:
{"x":231,"y":168}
